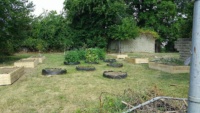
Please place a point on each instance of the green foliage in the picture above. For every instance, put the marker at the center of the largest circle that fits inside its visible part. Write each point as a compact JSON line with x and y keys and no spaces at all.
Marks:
{"x":72,"y":56}
{"x":149,"y":32}
{"x":94,"y":22}
{"x":47,"y":27}
{"x":126,"y":30}
{"x":112,"y":104}
{"x":9,"y":48}
{"x":162,"y":16}
{"x":91,"y":55}
{"x":35,"y":44}
{"x":186,"y":26}
{"x":41,"y":45}
{"x":101,"y":53}
{"x":81,"y":54}
{"x":15,"y":24}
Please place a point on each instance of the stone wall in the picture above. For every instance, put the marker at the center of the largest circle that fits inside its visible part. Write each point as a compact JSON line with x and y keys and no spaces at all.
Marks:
{"x":143,"y":43}
{"x":183,"y":45}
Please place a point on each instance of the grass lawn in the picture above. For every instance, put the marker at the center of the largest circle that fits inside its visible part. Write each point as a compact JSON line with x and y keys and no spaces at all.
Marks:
{"x":79,"y":91}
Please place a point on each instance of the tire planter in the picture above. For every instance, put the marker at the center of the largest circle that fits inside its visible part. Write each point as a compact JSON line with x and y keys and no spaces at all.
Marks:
{"x":115,"y":74}
{"x":91,"y":62}
{"x":115,"y":65}
{"x":71,"y":63}
{"x":53,"y":71}
{"x":85,"y":68}
{"x":110,"y":60}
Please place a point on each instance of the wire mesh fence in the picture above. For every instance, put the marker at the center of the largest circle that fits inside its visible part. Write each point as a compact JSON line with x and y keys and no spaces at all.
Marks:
{"x":161,"y":105}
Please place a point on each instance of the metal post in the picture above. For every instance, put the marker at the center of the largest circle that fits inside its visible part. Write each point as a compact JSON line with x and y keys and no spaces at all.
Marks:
{"x":194,"y":90}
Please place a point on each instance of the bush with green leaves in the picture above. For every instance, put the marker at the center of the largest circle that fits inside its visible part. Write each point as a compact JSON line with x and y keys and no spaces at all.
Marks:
{"x":101,"y":53}
{"x":72,"y":56}
{"x":91,"y":56}
{"x":81,"y":54}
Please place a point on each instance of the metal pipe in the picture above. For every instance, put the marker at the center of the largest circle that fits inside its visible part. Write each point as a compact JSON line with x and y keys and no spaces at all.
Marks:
{"x":151,"y":101}
{"x":194,"y":89}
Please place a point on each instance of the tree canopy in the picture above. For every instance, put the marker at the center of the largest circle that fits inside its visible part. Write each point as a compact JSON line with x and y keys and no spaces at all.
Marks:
{"x":50,"y":29}
{"x":94,"y":22}
{"x":162,"y":16}
{"x":14,"y":23}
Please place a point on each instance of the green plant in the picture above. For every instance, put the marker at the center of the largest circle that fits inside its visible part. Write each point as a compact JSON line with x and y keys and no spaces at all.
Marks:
{"x":91,"y":55}
{"x":101,"y":53}
{"x":41,"y":45}
{"x":72,"y":56}
{"x":81,"y":54}
{"x":111,"y":103}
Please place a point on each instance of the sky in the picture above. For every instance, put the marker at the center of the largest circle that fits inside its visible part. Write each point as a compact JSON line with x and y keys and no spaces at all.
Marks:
{"x":47,"y":5}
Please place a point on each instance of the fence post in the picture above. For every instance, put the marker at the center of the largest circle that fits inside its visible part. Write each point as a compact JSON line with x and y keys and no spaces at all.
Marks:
{"x":194,"y":90}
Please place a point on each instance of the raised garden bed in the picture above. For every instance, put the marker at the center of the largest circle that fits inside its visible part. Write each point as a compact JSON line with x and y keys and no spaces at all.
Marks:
{"x":121,"y":56}
{"x":53,"y":71}
{"x":114,"y":74}
{"x":8,"y":75}
{"x":85,"y":68}
{"x":28,"y":63}
{"x":169,"y":68}
{"x":39,"y":58}
{"x":137,"y":60}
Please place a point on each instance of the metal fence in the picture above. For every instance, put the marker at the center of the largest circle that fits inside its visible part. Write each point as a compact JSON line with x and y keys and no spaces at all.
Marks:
{"x":161,"y":105}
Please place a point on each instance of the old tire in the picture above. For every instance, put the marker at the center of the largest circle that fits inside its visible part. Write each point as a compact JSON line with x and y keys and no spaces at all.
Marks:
{"x":110,"y":60}
{"x":71,"y":63}
{"x":53,"y":71}
{"x":85,"y":68}
{"x":114,"y":74}
{"x":115,"y":64}
{"x":91,"y":62}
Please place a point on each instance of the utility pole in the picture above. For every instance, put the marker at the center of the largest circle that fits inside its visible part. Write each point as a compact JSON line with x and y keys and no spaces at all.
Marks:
{"x":194,"y":90}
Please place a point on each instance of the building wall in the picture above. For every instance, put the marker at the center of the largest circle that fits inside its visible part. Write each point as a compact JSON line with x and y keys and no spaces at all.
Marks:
{"x":143,"y":43}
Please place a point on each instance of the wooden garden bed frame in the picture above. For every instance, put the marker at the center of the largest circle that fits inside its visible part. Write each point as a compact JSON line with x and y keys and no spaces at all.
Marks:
{"x":137,"y":60}
{"x":27,"y":63}
{"x":8,"y":75}
{"x":169,"y":68}
{"x":39,"y":58}
{"x":122,"y":56}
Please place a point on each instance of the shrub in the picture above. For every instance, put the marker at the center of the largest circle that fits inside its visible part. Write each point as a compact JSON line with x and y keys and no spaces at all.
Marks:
{"x":101,"y":53}
{"x":81,"y":54}
{"x":72,"y":56}
{"x":91,"y":55}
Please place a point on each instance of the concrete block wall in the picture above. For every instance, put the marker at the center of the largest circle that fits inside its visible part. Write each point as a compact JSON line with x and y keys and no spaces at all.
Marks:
{"x":183,"y":45}
{"x":142,"y":43}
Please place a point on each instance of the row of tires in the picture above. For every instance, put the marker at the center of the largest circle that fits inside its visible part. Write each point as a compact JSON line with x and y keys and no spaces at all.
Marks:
{"x":108,"y":74}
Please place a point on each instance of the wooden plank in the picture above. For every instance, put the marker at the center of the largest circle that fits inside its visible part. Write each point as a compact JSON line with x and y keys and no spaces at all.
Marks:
{"x":137,"y":60}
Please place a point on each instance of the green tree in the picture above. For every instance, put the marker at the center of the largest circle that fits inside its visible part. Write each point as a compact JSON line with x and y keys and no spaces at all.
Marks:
{"x":49,"y":28}
{"x":93,"y":22}
{"x":186,"y":27}
{"x":15,"y":21}
{"x":162,"y":16}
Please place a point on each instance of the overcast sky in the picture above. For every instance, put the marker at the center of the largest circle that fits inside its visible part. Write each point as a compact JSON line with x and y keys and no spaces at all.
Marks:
{"x":47,"y":5}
